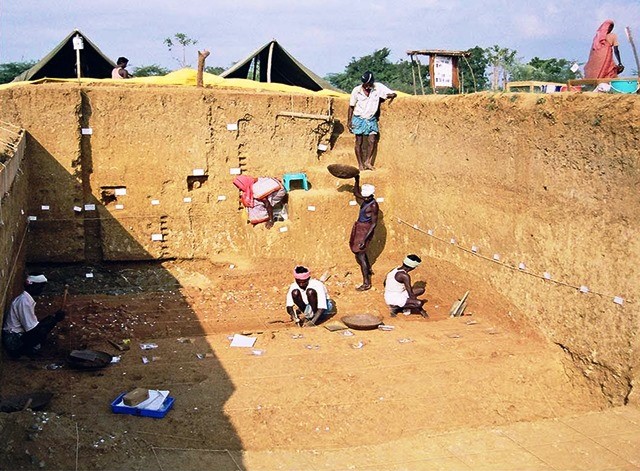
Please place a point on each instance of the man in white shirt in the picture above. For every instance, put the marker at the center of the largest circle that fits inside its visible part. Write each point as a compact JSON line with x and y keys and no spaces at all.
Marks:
{"x":364,"y":111}
{"x":307,"y":297}
{"x":399,"y":293}
{"x":22,"y":333}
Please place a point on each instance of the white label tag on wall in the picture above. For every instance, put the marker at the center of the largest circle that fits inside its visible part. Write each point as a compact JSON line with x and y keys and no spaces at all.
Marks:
{"x":88,"y":275}
{"x":186,"y":200}
{"x":77,"y":209}
{"x":87,"y":131}
{"x":235,"y":171}
{"x":496,"y":257}
{"x":33,"y":218}
{"x":547,"y":275}
{"x":322,"y":147}
{"x":380,"y":200}
{"x":155,"y":202}
{"x":284,"y":229}
{"x":584,"y":289}
{"x":119,"y":206}
{"x":232,"y":127}
{"x":222,"y":197}
{"x":156,"y":237}
{"x":618,"y":300}
{"x":353,"y":203}
{"x":44,"y":207}
{"x":522,"y":266}
{"x":453,"y":242}
{"x":311,"y":208}
{"x":121,"y":191}
{"x":198,"y":172}
{"x":474,"y":249}
{"x":89,"y":207}
{"x":430,"y":232}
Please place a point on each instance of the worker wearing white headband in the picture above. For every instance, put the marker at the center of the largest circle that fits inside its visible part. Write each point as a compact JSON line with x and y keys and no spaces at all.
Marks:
{"x":23,"y":333}
{"x":399,"y":293}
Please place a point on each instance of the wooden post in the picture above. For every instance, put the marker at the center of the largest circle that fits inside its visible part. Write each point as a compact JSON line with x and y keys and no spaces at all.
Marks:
{"x":413,"y":74}
{"x":202,"y":56}
{"x":420,"y":75}
{"x":432,"y":72}
{"x":633,"y":48}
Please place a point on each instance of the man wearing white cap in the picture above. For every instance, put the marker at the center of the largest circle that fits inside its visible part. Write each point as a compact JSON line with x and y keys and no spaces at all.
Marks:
{"x":363,"y":228}
{"x":23,"y":334}
{"x":399,"y":294}
{"x":309,"y":296}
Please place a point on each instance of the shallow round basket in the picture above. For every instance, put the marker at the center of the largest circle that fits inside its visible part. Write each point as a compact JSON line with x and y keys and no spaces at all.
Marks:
{"x":34,"y":401}
{"x":362,"y":321}
{"x":89,"y":359}
{"x":343,"y":171}
{"x":624,"y":86}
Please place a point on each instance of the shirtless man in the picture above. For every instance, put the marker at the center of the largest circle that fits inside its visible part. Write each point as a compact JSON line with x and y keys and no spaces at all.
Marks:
{"x":121,"y":72}
{"x":363,"y":229}
{"x":399,"y":294}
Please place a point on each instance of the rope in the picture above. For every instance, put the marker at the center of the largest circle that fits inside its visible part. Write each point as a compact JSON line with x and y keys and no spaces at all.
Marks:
{"x":510,"y":267}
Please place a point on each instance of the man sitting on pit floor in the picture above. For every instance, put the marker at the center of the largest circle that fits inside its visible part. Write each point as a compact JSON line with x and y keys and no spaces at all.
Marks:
{"x":399,"y":294}
{"x":308,"y":297}
{"x":23,"y":334}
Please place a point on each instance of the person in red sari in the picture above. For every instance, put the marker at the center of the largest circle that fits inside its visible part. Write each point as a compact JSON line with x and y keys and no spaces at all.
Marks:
{"x":259,"y":196}
{"x":604,"y":47}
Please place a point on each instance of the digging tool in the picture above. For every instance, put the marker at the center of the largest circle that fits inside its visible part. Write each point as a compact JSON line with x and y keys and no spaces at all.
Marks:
{"x":64,"y":297}
{"x":458,"y":307}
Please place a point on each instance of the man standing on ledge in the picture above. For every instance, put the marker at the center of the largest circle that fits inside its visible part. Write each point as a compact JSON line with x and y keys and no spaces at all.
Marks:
{"x":364,"y":111}
{"x":363,"y":228}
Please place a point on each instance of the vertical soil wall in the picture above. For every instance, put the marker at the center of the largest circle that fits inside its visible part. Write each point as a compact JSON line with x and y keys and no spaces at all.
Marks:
{"x":547,"y":181}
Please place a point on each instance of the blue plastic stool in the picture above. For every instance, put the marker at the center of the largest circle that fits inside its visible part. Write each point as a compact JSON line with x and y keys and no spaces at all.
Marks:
{"x":288,"y":177}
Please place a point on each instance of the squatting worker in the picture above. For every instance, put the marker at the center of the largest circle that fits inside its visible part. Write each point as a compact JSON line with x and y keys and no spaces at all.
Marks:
{"x":121,"y":72}
{"x":603,"y":48}
{"x":363,"y":229}
{"x":259,"y":196}
{"x":364,"y":111}
{"x":22,"y":333}
{"x":307,"y":297}
{"x":399,"y":294}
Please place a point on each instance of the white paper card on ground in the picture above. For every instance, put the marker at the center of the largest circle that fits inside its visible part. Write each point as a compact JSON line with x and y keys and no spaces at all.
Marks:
{"x":77,"y":209}
{"x":156,"y":236}
{"x":232,"y":127}
{"x":284,"y":229}
{"x":242,"y":341}
{"x":222,"y":198}
{"x":618,"y":300}
{"x":584,"y":289}
{"x":119,"y":206}
{"x":89,"y":207}
{"x":322,"y":147}
{"x":44,"y":207}
{"x":120,"y":191}
{"x":186,"y":200}
{"x":235,"y":171}
{"x":311,"y":208}
{"x":380,"y":200}
{"x":353,"y":203}
{"x":155,"y":202}
{"x":87,"y":131}
{"x":198,"y":172}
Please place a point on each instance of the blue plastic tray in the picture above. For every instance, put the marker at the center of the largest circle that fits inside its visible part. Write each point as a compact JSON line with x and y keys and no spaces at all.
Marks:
{"x":156,"y":414}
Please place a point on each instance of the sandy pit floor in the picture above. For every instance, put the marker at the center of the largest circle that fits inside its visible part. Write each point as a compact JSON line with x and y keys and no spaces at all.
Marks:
{"x":298,"y":389}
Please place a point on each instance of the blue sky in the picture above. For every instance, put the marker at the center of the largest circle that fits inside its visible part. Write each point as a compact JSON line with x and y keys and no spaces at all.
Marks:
{"x":323,"y":35}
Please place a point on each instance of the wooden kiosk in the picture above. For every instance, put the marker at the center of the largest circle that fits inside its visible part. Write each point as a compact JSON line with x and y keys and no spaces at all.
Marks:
{"x":443,"y":68}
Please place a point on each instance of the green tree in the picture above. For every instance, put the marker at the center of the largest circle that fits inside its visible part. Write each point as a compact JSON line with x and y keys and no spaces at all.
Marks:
{"x":214,"y":70}
{"x":473,"y":70}
{"x":396,"y":76}
{"x":182,"y":41}
{"x":502,"y":61}
{"x":10,"y":70}
{"x":152,"y":70}
{"x":546,"y":70}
